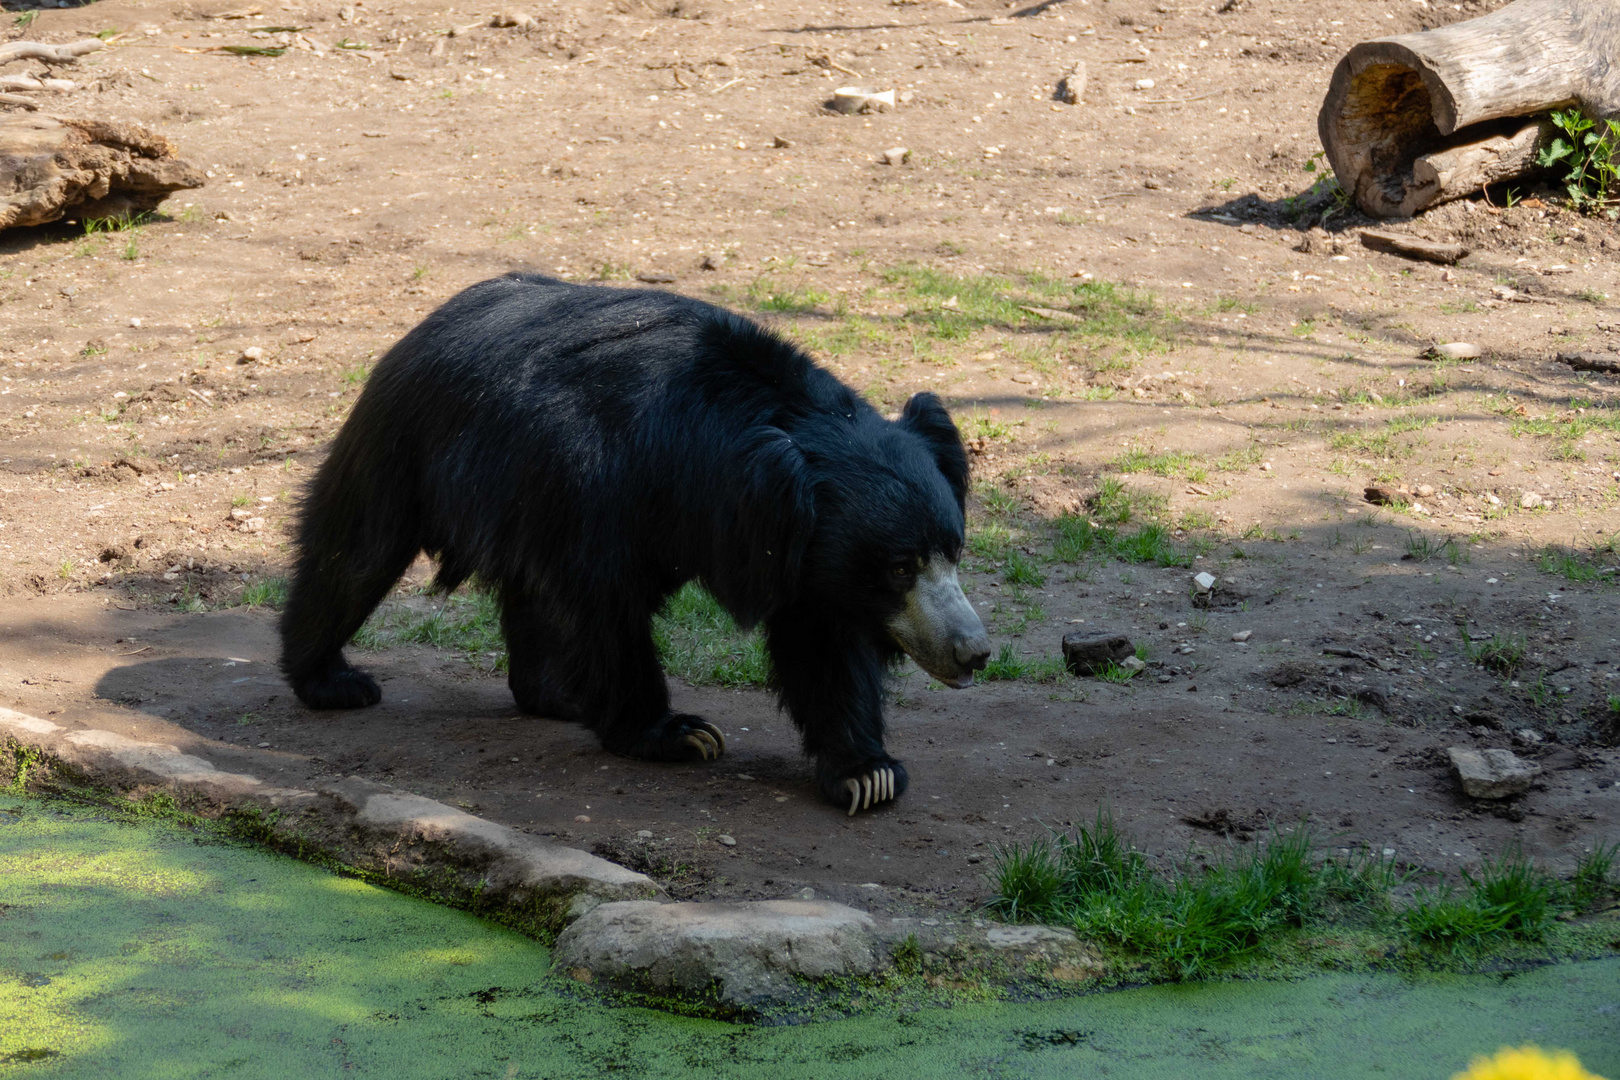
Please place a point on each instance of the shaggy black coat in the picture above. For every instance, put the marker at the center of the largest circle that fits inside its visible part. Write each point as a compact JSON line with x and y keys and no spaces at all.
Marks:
{"x":585,"y":451}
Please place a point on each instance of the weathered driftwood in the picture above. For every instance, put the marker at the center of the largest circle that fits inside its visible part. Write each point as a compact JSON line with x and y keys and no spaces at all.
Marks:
{"x":49,"y":54}
{"x":1412,"y":120}
{"x":1413,"y":247}
{"x":54,"y":169}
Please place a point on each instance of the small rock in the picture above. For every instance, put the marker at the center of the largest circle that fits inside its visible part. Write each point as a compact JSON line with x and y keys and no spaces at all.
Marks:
{"x":712,"y":261}
{"x":859,"y":99}
{"x":1071,"y":89}
{"x":251,"y":525}
{"x":1492,"y":774}
{"x":806,"y":893}
{"x":1133,"y":664}
{"x":1204,"y":580}
{"x":240,"y":514}
{"x":520,"y":20}
{"x":251,"y":355}
{"x":644,"y":834}
{"x":726,"y":840}
{"x":1459,"y":350}
{"x":1243,"y":635}
{"x":1425,"y":491}
{"x":781,"y":143}
{"x":896,"y":155}
{"x":655,"y":277}
{"x":1379,"y":495}
{"x":1144,"y":84}
{"x":264,"y":746}
{"x":583,"y":819}
{"x":1088,"y":654}
{"x":135,"y":320}
{"x":1530,"y":500}
{"x":1528,"y":736}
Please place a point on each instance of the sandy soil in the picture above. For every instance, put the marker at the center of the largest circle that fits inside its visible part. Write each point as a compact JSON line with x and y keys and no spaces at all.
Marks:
{"x":1260,"y":379}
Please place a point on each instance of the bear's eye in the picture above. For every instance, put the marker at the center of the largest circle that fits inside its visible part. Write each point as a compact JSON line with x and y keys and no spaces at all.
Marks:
{"x":901,"y":569}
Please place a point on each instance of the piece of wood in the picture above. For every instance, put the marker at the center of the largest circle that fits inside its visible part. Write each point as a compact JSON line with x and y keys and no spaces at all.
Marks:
{"x":1396,"y":100}
{"x":53,"y":169}
{"x":1412,"y":247}
{"x":49,"y":54}
{"x":1458,"y":171}
{"x":1606,"y":363}
{"x":22,"y":84}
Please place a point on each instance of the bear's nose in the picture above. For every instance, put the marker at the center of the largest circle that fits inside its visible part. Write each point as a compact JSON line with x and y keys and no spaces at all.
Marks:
{"x":973,"y":652}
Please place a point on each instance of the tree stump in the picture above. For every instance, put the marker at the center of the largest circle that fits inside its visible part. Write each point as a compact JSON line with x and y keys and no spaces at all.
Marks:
{"x":53,"y":169}
{"x":1417,"y":119}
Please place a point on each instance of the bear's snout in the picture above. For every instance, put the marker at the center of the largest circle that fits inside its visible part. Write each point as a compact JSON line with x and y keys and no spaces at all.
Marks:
{"x":939,"y":629}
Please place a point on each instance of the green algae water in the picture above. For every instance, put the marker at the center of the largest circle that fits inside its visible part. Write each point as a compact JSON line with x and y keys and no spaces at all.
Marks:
{"x":145,"y":950}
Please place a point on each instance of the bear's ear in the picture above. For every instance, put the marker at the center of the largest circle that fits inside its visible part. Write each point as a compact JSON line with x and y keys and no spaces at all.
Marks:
{"x":926,"y":416}
{"x":761,"y":546}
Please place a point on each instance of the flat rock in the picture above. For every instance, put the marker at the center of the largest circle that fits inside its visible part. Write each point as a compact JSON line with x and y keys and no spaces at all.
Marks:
{"x":1492,"y":774}
{"x":1088,"y":654}
{"x":742,"y":953}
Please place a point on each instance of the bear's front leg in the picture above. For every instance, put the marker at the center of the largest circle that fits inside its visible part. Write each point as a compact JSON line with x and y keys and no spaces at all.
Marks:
{"x":831,"y":682}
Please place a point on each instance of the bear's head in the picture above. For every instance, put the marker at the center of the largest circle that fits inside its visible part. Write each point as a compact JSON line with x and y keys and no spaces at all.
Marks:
{"x":872,"y":531}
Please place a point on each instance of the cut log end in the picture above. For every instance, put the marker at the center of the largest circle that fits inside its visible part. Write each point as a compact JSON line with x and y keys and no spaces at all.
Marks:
{"x":1418,"y":119}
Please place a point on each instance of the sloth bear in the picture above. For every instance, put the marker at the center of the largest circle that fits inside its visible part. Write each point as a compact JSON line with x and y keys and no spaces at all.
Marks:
{"x":584,"y":452}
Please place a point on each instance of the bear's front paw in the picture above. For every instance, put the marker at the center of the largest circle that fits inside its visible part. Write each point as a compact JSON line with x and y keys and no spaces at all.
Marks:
{"x":679,"y":737}
{"x":339,"y":688}
{"x":863,"y":786}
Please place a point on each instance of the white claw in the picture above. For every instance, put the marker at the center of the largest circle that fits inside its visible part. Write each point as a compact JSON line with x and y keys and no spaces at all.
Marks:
{"x":854,"y":796}
{"x":866,"y":791}
{"x":888,"y":784}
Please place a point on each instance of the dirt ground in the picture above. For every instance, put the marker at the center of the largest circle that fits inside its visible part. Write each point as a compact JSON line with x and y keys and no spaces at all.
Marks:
{"x":1243,"y":384}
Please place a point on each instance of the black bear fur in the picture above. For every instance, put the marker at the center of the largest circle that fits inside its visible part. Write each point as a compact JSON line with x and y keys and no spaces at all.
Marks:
{"x":585,"y":451}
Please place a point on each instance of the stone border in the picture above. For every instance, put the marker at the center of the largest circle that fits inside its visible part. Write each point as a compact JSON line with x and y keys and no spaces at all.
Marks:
{"x":612,"y":926}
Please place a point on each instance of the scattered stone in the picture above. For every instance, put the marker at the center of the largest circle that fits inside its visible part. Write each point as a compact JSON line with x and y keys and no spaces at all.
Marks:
{"x":1530,"y":500}
{"x":896,"y":155}
{"x":251,"y":525}
{"x":1133,"y":664}
{"x":1425,"y":491}
{"x":1380,"y":495}
{"x":1607,"y":363}
{"x":1528,"y":736}
{"x":712,"y":261}
{"x":655,"y":277}
{"x":518,"y":19}
{"x":726,"y":840}
{"x":781,"y":143}
{"x":742,"y":953}
{"x":264,"y":746}
{"x":583,"y":819}
{"x":251,"y":355}
{"x":644,"y":834}
{"x":859,"y":99}
{"x":1456,"y":350}
{"x":1071,"y":89}
{"x":1089,"y":654}
{"x":806,"y":893}
{"x":1144,"y":84}
{"x":1204,"y":580}
{"x":1492,"y":774}
{"x":1242,"y":635}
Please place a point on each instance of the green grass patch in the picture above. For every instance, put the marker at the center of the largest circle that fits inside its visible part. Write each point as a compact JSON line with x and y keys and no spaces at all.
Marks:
{"x":951,"y":307}
{"x":1173,"y":464}
{"x":1079,"y":538}
{"x":1008,"y":666}
{"x":696,"y":639}
{"x":1195,"y":916}
{"x":1573,"y":566}
{"x":1502,"y":655}
{"x":268,"y":592}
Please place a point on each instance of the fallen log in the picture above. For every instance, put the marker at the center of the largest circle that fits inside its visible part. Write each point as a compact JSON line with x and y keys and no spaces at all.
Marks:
{"x":1416,"y":119}
{"x":1412,"y":247}
{"x":53,"y":169}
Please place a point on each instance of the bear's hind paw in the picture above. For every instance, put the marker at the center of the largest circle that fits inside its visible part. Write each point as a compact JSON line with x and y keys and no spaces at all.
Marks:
{"x":344,"y":688}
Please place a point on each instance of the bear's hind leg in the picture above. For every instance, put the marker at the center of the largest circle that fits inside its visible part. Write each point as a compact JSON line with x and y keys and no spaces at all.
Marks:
{"x":330,"y":597}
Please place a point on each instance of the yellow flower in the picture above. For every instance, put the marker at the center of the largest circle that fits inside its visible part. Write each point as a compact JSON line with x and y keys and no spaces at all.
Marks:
{"x":1527,"y":1063}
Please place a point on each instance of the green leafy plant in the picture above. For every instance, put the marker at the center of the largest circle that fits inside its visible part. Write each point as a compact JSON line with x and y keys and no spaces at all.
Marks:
{"x":1589,"y":155}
